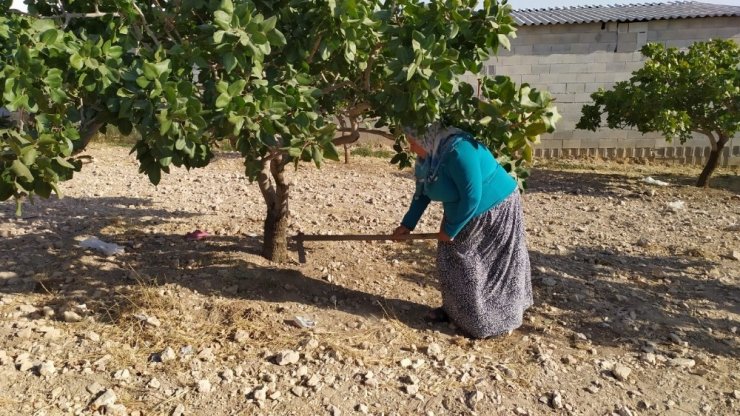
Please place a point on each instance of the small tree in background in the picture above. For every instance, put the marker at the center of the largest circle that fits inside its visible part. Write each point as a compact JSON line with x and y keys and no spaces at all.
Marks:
{"x":677,"y":93}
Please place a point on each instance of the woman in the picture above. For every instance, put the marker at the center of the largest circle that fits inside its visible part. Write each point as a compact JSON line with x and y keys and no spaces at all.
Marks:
{"x":482,"y":258}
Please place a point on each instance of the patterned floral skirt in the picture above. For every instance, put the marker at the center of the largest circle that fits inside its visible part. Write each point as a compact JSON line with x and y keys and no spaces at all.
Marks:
{"x":484,"y":272}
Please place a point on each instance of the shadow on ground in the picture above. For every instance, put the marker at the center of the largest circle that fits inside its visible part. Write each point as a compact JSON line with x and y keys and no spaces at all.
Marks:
{"x":52,"y":261}
{"x":646,"y":304}
{"x":618,"y":299}
{"x":596,"y":183}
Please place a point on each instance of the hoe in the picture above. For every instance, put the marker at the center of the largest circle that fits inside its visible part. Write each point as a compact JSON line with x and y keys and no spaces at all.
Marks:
{"x":300,"y":238}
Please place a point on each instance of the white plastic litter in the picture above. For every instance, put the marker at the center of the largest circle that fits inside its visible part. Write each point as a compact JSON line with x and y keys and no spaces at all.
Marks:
{"x":302,"y":322}
{"x":649,"y":180}
{"x":109,"y":249}
{"x":676,"y":206}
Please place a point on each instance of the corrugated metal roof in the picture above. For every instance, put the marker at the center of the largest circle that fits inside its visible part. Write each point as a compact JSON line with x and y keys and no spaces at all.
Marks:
{"x":622,"y":13}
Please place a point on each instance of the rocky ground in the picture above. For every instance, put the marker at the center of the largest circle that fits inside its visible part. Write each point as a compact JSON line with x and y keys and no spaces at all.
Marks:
{"x":636,"y":304}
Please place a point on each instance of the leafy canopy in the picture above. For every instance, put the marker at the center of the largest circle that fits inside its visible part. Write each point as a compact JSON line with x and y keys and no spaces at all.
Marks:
{"x":287,"y":78}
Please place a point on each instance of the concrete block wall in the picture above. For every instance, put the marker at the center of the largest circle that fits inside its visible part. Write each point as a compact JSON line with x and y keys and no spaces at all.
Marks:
{"x":574,"y":60}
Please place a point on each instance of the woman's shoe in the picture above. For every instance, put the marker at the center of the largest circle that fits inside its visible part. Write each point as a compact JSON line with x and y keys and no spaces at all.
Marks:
{"x":437,"y":315}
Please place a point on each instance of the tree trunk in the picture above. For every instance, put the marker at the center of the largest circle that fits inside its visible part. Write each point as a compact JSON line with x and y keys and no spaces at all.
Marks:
{"x":714,"y":155}
{"x":346,"y":154}
{"x":275,"y":191}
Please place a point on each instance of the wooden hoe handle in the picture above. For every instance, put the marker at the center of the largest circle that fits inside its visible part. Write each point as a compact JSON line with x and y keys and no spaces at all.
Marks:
{"x":300,"y":238}
{"x":364,"y":237}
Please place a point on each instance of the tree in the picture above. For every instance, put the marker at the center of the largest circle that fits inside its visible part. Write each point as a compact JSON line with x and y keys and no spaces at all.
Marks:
{"x":677,"y":93}
{"x":286,"y":81}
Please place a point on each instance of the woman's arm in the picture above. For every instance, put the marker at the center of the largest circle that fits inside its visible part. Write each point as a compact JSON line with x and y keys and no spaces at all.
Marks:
{"x":418,"y":206}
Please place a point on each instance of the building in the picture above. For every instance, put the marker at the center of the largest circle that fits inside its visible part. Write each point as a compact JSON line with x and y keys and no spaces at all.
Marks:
{"x":574,"y":51}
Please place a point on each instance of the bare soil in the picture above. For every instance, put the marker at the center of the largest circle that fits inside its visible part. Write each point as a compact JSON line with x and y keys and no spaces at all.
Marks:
{"x":636,"y":303}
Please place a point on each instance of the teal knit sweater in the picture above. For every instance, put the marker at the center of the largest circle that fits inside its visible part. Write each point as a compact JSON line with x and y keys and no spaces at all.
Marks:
{"x":469,"y":182}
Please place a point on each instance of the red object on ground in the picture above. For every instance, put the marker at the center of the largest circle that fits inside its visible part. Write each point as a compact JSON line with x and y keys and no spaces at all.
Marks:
{"x":196,"y":235}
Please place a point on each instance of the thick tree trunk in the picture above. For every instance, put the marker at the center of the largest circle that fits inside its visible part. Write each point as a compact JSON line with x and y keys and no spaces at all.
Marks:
{"x":275,"y":246}
{"x":714,"y":155}
{"x":275,"y":191}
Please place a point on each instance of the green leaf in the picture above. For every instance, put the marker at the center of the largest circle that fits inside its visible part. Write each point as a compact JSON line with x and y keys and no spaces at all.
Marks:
{"x":222,"y":19}
{"x":276,"y":38}
{"x":63,"y":162}
{"x":527,"y":153}
{"x":218,"y":36}
{"x":180,"y":143}
{"x":28,"y":155}
{"x":42,"y":189}
{"x":229,"y":62}
{"x":115,"y":52}
{"x":295,"y":151}
{"x":269,"y":24}
{"x":504,"y":41}
{"x":164,"y":126}
{"x":223,"y":100}
{"x":330,"y":152}
{"x":76,"y":61}
{"x":155,"y":70}
{"x":411,"y":71}
{"x":316,"y":155}
{"x":49,"y":36}
{"x":535,"y":129}
{"x":125,"y":127}
{"x":237,"y":87}
{"x":155,"y":174}
{"x":227,"y":6}
{"x":142,"y":82}
{"x":21,"y":171}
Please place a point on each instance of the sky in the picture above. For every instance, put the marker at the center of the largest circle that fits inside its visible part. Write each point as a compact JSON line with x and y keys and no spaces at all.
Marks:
{"x":523,"y":4}
{"x":536,"y":4}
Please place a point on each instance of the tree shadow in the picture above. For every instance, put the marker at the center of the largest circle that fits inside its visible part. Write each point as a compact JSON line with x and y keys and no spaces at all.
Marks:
{"x":592,"y":184}
{"x":595,"y":183}
{"x":51,"y":260}
{"x":617,"y":299}
{"x":614,"y":298}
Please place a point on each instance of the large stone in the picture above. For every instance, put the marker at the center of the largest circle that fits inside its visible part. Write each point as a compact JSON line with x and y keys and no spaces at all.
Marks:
{"x":621,"y":372}
{"x":204,"y":386}
{"x":47,"y":369}
{"x":682,"y":362}
{"x":287,"y":357}
{"x":70,"y":316}
{"x":167,"y":355}
{"x":106,"y":399}
{"x":116,"y":410}
{"x":434,"y":349}
{"x":557,"y":400}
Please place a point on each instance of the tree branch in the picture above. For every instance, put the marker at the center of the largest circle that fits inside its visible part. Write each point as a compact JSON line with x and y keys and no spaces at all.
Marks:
{"x":377,"y":132}
{"x":314,"y":49}
{"x":346,"y":139}
{"x":334,"y":87}
{"x":712,"y":139}
{"x":358,"y":109}
{"x":69,"y":16}
{"x":370,"y":62}
{"x":146,"y":25}
{"x":88,"y":131}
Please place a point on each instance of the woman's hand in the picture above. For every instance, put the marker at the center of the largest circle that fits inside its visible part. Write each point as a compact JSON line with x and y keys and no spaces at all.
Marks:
{"x":442,"y":236}
{"x":401,"y":230}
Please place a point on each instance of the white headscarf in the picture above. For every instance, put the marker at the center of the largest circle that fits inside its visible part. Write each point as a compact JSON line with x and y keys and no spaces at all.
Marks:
{"x":434,"y":139}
